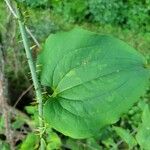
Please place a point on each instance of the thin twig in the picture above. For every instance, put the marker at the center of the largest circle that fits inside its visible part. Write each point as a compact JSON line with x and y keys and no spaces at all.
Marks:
{"x":27,"y":29}
{"x":11,"y":9}
{"x":23,"y":94}
{"x":32,"y":36}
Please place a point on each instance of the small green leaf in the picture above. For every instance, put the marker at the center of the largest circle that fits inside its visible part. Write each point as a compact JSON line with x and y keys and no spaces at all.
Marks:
{"x":95,"y":79}
{"x":30,"y":142}
{"x":126,"y":136}
{"x":54,"y":142}
{"x":143,"y":134}
{"x":30,"y":109}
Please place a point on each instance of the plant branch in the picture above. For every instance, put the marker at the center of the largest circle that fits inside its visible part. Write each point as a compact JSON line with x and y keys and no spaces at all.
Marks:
{"x":32,"y":36}
{"x":23,"y":93}
{"x":11,"y":9}
{"x":32,"y":69}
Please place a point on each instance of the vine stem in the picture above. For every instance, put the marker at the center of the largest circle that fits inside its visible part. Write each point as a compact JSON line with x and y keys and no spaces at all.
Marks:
{"x":32,"y":70}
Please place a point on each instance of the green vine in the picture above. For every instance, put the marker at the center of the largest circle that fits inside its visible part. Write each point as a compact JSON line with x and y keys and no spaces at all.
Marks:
{"x":31,"y":64}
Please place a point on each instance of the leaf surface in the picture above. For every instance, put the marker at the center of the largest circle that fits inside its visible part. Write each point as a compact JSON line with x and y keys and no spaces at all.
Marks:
{"x":95,"y":79}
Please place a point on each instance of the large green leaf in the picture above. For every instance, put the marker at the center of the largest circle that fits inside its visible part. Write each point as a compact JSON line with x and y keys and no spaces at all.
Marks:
{"x":95,"y":79}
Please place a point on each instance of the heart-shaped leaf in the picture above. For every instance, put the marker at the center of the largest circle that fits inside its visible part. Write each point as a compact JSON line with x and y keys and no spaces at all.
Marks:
{"x":95,"y":79}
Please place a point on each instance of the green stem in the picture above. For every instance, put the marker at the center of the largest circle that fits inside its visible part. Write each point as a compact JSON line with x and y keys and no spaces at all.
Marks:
{"x":33,"y":75}
{"x":36,"y":84}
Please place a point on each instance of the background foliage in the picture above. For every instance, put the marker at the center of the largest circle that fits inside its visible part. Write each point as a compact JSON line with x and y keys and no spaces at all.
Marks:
{"x":126,"y":19}
{"x":131,"y":14}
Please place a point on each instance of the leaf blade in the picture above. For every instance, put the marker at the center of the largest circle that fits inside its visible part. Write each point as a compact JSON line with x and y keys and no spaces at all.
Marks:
{"x":95,"y":79}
